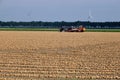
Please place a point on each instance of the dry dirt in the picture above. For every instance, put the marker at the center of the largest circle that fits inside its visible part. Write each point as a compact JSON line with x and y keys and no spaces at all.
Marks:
{"x":54,"y":55}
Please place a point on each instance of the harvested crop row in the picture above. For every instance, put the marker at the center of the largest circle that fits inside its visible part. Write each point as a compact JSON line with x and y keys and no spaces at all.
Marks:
{"x":54,"y":55}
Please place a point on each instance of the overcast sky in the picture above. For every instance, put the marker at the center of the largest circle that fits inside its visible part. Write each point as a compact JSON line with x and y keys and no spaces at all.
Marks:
{"x":59,"y":10}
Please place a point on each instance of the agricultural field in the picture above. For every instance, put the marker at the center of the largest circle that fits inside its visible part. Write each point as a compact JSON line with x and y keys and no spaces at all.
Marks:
{"x":35,"y":55}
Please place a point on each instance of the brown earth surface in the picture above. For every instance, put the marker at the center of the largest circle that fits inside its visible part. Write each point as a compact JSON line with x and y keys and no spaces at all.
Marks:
{"x":59,"y":56}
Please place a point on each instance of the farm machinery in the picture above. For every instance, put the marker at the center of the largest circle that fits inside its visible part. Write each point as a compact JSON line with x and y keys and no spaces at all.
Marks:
{"x":71,"y":29}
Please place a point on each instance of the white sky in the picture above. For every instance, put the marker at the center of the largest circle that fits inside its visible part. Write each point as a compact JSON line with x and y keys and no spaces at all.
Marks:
{"x":59,"y":10}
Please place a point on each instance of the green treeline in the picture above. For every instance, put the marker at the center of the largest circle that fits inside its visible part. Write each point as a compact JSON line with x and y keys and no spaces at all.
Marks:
{"x":41,"y":24}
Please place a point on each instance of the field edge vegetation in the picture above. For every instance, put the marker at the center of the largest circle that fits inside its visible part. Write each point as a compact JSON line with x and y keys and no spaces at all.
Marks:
{"x":56,"y":29}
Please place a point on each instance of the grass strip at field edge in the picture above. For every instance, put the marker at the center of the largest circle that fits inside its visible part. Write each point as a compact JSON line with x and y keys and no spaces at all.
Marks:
{"x":29,"y":29}
{"x":56,"y":29}
{"x":102,"y":30}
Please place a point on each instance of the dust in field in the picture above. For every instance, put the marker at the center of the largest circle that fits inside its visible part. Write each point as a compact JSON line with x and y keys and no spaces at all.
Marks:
{"x":55,"y":55}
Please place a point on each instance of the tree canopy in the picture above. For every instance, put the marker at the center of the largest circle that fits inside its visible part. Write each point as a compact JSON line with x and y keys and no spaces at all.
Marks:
{"x":41,"y":24}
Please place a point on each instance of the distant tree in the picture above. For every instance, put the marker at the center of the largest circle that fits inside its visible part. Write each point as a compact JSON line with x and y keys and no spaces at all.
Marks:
{"x":37,"y":24}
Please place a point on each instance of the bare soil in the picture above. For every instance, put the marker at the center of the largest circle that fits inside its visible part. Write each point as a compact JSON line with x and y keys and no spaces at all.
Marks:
{"x":53,"y":55}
